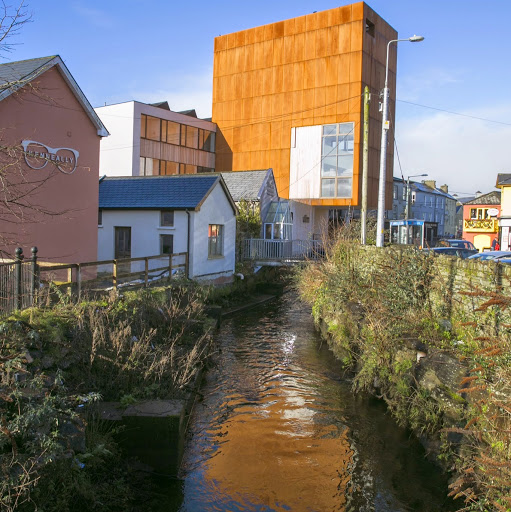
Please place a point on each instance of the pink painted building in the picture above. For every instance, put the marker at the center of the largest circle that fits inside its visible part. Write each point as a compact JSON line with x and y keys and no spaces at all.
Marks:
{"x":49,"y":162}
{"x":480,"y":220}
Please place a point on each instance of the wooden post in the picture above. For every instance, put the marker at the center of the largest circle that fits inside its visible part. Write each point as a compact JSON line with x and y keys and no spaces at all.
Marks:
{"x":114,"y":274}
{"x":17,"y":285}
{"x":79,"y":281}
{"x":35,"y":277}
{"x":146,"y":275}
{"x":170,"y":267}
{"x":365,"y":160}
{"x":70,"y":281}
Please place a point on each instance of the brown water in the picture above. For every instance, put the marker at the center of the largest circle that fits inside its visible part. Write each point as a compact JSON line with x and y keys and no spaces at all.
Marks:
{"x":278,"y":429}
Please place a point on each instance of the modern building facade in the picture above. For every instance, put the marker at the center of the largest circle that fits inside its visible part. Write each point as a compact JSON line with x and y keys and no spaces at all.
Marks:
{"x":49,"y":162}
{"x":289,"y":95}
{"x":480,"y":219}
{"x":152,"y":140}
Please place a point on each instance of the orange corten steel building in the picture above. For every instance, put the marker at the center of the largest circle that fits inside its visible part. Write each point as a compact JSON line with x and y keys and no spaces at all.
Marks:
{"x":308,"y":71}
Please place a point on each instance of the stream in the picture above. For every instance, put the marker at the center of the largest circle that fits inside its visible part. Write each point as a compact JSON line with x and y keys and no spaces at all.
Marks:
{"x":278,"y":428}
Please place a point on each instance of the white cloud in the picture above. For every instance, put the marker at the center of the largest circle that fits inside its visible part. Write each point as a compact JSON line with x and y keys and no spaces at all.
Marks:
{"x":465,"y":153}
{"x":413,"y":87}
{"x":96,"y":17}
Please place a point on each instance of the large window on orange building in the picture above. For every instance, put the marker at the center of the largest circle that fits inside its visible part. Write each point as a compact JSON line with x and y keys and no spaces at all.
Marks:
{"x":479,"y":213}
{"x":337,"y":160}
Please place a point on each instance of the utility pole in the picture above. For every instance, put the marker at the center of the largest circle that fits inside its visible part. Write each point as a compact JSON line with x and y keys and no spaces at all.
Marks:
{"x":383,"y":151}
{"x":365,"y":158}
{"x":407,"y":209}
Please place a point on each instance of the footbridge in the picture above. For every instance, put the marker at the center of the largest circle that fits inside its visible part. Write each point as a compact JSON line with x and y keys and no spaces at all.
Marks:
{"x":281,"y":252}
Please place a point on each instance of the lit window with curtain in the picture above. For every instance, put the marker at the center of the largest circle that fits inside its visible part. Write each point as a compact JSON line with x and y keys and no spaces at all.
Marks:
{"x":215,"y":240}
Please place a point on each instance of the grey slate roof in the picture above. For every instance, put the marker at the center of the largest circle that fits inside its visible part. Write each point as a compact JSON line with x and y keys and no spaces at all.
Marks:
{"x":421,"y":187}
{"x":503,"y":179}
{"x":21,"y":71}
{"x":14,"y":75}
{"x":491,"y":198}
{"x":245,"y":184}
{"x":155,"y":192}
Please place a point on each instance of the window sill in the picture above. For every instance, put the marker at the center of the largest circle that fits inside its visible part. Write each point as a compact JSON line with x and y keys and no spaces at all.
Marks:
{"x":165,"y":228}
{"x":219,"y":257}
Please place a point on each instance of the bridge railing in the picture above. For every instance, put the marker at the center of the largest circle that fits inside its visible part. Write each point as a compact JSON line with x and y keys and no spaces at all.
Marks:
{"x":281,"y":250}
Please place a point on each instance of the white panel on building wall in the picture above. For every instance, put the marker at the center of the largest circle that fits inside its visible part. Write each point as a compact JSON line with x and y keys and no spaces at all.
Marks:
{"x":303,"y":220}
{"x":305,"y":163}
{"x":116,"y":155}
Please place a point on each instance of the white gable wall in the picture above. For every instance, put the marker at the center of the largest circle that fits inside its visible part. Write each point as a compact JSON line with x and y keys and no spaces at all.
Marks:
{"x":119,"y":155}
{"x":216,"y":209}
{"x":268,"y":195}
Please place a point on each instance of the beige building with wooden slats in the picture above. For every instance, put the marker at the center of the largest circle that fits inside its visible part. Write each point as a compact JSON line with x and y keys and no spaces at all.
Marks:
{"x":289,"y":96}
{"x":152,"y":140}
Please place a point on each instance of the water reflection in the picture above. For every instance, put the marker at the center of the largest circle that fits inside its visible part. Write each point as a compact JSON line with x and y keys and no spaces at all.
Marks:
{"x":278,"y":430}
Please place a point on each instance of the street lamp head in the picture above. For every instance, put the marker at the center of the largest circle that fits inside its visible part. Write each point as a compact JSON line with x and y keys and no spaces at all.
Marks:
{"x":416,"y":39}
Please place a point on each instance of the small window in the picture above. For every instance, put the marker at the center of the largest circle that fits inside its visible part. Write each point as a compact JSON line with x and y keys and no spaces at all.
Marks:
{"x":369,"y":27}
{"x":173,"y":133}
{"x":169,"y":168}
{"x":143,"y":120}
{"x":215,"y":240}
{"x":100,"y":217}
{"x":153,"y":128}
{"x":167,"y":218}
{"x":473,"y":213}
{"x":166,"y":244}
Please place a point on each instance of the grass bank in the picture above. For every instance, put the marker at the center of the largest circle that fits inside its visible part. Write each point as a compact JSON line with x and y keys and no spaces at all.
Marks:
{"x":439,"y":355}
{"x":55,"y":454}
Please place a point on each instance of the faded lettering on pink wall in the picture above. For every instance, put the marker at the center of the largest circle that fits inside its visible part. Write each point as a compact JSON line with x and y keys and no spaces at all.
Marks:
{"x":37,"y":155}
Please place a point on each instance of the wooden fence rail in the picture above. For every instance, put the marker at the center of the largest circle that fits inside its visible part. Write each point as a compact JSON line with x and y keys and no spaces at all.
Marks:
{"x":24,"y":283}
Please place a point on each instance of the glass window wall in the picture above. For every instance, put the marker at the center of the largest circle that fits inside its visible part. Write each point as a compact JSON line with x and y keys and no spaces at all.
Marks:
{"x":337,"y":160}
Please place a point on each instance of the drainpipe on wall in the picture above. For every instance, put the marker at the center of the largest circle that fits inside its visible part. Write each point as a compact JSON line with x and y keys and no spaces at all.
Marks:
{"x":188,"y":245}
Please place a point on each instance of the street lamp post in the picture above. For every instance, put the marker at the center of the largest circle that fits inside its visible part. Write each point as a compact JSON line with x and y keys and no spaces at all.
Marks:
{"x":384,"y":135}
{"x":407,"y":206}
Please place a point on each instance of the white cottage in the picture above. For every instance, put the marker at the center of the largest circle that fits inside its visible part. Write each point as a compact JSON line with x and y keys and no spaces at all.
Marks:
{"x":151,"y":215}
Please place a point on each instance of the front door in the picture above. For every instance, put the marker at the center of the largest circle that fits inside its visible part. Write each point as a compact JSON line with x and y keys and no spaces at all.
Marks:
{"x":122,"y":243}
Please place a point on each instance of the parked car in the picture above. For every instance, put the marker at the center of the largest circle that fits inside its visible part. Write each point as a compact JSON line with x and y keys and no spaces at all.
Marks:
{"x":460,"y":252}
{"x":491,"y":255}
{"x":454,"y":242}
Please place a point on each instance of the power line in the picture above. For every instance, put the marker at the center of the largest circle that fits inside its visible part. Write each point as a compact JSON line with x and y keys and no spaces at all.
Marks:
{"x":456,"y":113}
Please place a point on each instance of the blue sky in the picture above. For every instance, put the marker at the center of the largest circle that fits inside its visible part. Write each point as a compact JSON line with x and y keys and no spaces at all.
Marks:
{"x":156,"y":50}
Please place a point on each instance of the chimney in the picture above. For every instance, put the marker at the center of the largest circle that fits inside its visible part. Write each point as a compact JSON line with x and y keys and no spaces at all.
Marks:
{"x":479,"y":193}
{"x":444,"y":188}
{"x":429,"y":183}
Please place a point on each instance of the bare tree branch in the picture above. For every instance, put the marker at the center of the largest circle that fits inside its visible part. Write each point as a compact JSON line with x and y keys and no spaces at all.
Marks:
{"x":12,"y":20}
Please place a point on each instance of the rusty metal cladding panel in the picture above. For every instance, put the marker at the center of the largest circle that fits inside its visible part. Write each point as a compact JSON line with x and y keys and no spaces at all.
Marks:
{"x":300,"y":72}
